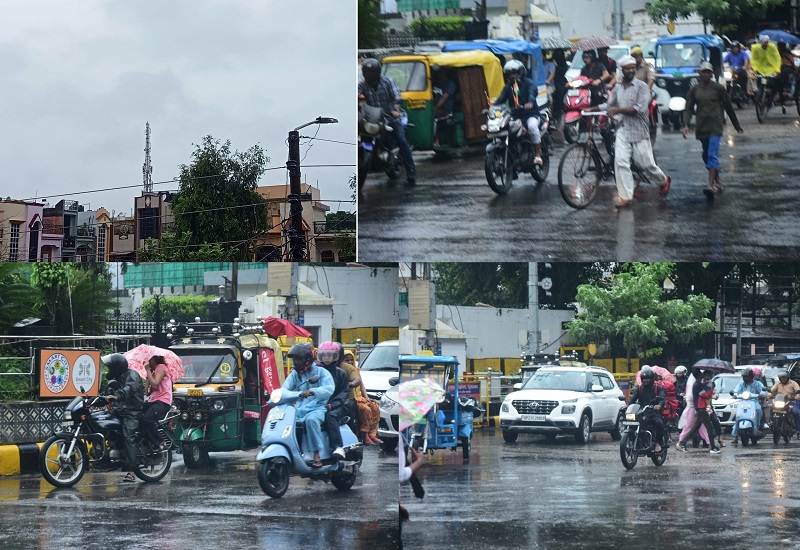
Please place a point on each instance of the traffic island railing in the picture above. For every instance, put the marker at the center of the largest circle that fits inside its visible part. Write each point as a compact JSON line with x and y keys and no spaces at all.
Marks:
{"x":24,"y":426}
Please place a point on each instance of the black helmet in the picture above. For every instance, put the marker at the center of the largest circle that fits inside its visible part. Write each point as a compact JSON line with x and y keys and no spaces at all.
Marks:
{"x":783,"y":374}
{"x":735,"y":44}
{"x":748,"y":374}
{"x":371,"y":70}
{"x":302,"y":356}
{"x":116,"y":363}
{"x":647,"y":376}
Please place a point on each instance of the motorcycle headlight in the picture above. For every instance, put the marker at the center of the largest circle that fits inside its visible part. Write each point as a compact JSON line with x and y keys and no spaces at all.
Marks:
{"x":746,"y":395}
{"x":219,"y":404}
{"x":728,"y":75}
{"x":693,"y":82}
{"x":661,"y":83}
{"x":67,"y":416}
{"x":276,"y":396}
{"x":778,"y":404}
{"x":630,"y":416}
{"x":372,"y":128}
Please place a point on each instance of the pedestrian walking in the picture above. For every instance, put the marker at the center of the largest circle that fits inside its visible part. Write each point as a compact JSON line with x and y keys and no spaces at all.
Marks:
{"x":709,"y":98}
{"x":630,"y":100}
{"x":689,"y":416}
{"x":703,"y":389}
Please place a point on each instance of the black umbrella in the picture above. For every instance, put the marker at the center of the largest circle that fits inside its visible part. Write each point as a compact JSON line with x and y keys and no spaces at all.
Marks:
{"x":714,"y":365}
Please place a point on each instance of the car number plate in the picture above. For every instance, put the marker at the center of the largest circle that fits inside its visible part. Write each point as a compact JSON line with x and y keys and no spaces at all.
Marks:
{"x":573,"y":93}
{"x":194,"y":393}
{"x":533,"y":417}
{"x":276,"y":415}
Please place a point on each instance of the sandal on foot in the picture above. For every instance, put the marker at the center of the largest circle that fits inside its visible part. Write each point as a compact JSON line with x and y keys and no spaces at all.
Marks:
{"x":129,"y":478}
{"x":620,"y":203}
{"x":316,"y":464}
{"x":664,"y":189}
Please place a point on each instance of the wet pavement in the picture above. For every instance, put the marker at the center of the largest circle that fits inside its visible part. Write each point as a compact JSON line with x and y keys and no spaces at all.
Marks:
{"x":217,"y":507}
{"x":452,"y":214}
{"x":540,"y":494}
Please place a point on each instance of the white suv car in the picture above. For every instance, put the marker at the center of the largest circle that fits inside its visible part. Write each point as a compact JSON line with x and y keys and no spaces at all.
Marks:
{"x":380,"y":367}
{"x":564,"y":400}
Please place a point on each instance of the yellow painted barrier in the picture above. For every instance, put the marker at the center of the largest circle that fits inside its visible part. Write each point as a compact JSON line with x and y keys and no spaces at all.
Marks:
{"x":9,"y":460}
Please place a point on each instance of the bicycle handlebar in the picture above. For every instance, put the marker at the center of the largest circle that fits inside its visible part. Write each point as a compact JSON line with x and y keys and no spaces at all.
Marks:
{"x":594,"y":113}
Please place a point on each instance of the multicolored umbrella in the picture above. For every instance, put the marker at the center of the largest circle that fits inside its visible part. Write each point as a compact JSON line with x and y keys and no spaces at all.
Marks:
{"x":663,"y":373}
{"x":281,"y":327}
{"x":416,"y":398}
{"x":556,"y":43}
{"x":714,"y":365}
{"x":140,"y":355}
{"x":594,"y":42}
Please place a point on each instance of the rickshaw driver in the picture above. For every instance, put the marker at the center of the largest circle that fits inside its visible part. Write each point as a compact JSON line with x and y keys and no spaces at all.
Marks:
{"x":311,"y":410}
{"x":381,"y":91}
{"x":338,"y":406}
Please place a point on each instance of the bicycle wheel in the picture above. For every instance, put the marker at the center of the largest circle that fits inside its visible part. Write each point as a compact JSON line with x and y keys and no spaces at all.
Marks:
{"x":579,"y":175}
{"x":761,"y":105}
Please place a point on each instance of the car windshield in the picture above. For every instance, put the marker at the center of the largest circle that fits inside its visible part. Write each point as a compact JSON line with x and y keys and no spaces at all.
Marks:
{"x":679,"y":55}
{"x":198,"y":366}
{"x":410,"y":76}
{"x":725,"y":384}
{"x":613,"y":52}
{"x":556,"y":380}
{"x":382,"y":358}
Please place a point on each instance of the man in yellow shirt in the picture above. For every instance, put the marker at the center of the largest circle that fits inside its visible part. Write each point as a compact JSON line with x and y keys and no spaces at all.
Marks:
{"x":765,"y":59}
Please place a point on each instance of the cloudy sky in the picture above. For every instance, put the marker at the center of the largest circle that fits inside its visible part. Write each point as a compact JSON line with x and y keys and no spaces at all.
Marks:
{"x":81,"y":79}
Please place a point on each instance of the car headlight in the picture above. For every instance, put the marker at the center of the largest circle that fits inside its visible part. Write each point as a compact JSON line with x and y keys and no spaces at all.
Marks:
{"x":567,"y":409}
{"x":661,"y":83}
{"x":505,"y":408}
{"x":219,"y":404}
{"x":387,"y":402}
{"x":694,"y":82}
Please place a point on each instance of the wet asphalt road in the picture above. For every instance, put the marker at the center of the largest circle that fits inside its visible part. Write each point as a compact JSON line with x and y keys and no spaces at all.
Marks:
{"x":538,"y":494}
{"x":453,"y":215}
{"x":217,"y":507}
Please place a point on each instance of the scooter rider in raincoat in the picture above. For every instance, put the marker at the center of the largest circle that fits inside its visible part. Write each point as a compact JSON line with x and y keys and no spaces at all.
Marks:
{"x":127,"y":404}
{"x":757,"y":392}
{"x":311,"y":409}
{"x":328,"y":356}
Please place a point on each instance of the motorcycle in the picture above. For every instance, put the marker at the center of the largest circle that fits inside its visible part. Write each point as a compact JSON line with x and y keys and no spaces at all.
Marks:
{"x":637,"y":440}
{"x":376,"y":150}
{"x":577,"y":98}
{"x":782,"y":419}
{"x":283,"y":441}
{"x":734,"y":87}
{"x":510,"y":151}
{"x":746,"y":414}
{"x":93,"y":437}
{"x":765,"y":96}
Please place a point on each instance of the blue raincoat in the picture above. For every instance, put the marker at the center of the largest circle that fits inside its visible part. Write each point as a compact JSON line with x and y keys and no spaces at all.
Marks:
{"x":311,"y":409}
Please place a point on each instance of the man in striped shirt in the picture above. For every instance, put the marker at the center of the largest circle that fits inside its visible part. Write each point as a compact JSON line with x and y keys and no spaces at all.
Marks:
{"x":630,"y":99}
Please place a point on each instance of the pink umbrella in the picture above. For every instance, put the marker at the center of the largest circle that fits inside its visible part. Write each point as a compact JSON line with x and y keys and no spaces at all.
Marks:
{"x":140,"y":355}
{"x":660,"y":371}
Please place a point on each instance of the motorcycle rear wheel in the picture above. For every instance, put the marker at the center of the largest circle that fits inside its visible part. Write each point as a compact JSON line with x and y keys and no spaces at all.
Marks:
{"x":627,"y":452}
{"x":61,"y":472}
{"x":498,"y":175}
{"x":761,"y":105}
{"x":540,"y":171}
{"x":659,"y":458}
{"x":273,"y":477}
{"x":344,"y":481}
{"x":745,"y":440}
{"x":579,"y":175}
{"x":154,"y":471}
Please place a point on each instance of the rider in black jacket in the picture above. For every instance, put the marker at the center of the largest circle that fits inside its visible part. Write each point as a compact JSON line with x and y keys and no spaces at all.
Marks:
{"x":521,"y":93}
{"x":329,"y":355}
{"x":648,"y":393}
{"x":127,"y":404}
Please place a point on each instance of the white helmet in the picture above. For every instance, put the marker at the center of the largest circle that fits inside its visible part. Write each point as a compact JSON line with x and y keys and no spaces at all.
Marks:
{"x":680,"y":369}
{"x":514,"y":66}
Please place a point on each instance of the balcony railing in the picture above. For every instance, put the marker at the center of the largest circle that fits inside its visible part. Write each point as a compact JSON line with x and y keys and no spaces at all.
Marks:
{"x":335,"y":226}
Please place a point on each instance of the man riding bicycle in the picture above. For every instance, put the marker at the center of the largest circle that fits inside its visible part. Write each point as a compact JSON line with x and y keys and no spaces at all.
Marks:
{"x":765,"y":59}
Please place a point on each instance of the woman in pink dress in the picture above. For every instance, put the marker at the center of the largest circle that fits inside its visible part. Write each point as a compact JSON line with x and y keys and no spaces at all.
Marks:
{"x":159,"y":391}
{"x":689,"y":415}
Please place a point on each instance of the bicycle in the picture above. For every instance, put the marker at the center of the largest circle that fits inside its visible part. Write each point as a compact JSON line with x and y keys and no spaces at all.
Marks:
{"x":582,"y":167}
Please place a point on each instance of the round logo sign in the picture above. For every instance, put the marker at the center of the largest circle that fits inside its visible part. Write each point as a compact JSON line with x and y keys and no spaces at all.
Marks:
{"x":547,"y":283}
{"x":84,"y":372}
{"x":56,"y":373}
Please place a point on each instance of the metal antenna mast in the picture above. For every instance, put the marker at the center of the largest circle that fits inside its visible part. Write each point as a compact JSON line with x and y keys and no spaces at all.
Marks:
{"x":147,"y":169}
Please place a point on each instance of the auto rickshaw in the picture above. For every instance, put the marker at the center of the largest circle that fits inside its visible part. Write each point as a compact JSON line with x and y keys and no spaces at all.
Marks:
{"x":223,"y":396}
{"x":677,"y":65}
{"x":478,"y":77}
{"x":449,"y":423}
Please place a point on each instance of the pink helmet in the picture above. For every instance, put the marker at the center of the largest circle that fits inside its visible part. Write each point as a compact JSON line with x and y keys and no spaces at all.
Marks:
{"x":757,"y":371}
{"x":328,"y":352}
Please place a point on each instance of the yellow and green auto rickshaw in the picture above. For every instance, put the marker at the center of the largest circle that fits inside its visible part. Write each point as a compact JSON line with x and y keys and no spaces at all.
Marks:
{"x":223,"y":396}
{"x":478,"y":77}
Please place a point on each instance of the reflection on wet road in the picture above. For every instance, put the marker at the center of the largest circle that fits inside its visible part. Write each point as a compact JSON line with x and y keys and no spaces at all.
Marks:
{"x":540,"y":494}
{"x":452,"y":215}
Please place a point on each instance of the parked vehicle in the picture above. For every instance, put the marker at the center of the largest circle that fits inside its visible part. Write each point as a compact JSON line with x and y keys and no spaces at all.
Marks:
{"x":477,"y":75}
{"x":380,"y":369}
{"x":639,"y":439}
{"x":448,"y":424}
{"x":510,"y":151}
{"x":389,"y":424}
{"x":283,"y":442}
{"x":782,"y":424}
{"x":223,"y":396}
{"x":92,"y":437}
{"x":564,"y":400}
{"x":377,"y":152}
{"x":677,"y":66}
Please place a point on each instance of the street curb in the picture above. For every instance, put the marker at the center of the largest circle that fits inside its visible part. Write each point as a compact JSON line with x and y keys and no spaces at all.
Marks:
{"x":21,"y":458}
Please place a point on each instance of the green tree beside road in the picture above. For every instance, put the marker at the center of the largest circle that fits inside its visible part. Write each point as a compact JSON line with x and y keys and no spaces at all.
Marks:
{"x":723,"y":15}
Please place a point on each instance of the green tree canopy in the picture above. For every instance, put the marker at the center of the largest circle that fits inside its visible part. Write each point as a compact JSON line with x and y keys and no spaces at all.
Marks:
{"x":631,"y":310}
{"x":181,"y":308}
{"x":370,"y":25}
{"x":724,"y":15}
{"x":217,"y":202}
{"x":18,"y":297}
